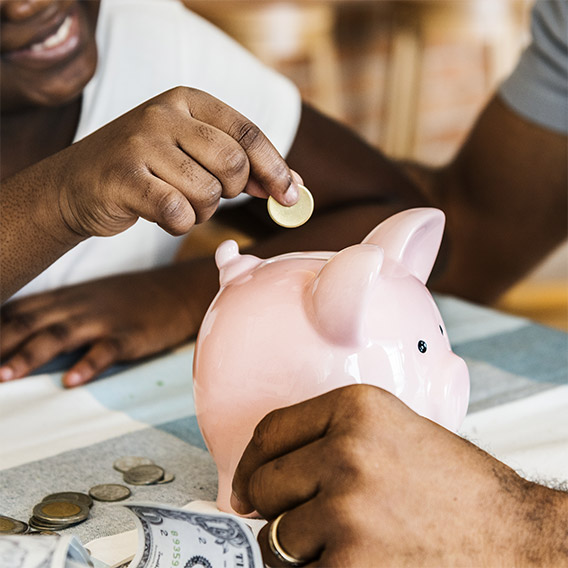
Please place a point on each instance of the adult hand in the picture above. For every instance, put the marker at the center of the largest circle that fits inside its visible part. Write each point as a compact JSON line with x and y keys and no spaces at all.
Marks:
{"x":120,"y":318}
{"x":169,"y":160}
{"x":364,"y":481}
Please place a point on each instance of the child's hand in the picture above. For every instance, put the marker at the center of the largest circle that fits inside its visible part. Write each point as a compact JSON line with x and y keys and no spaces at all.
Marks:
{"x":169,"y":160}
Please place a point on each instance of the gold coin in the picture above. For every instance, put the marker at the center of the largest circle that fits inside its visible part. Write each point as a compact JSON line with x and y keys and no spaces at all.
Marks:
{"x":70,"y":496}
{"x":12,"y":526}
{"x":60,"y":512}
{"x":295,"y":215}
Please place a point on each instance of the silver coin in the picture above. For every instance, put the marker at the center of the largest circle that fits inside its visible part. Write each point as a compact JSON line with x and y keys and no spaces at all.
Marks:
{"x":12,"y":526}
{"x":70,"y":496}
{"x":128,"y":462}
{"x":144,"y":475}
{"x":168,"y":478}
{"x":109,"y":492}
{"x":61,"y":511}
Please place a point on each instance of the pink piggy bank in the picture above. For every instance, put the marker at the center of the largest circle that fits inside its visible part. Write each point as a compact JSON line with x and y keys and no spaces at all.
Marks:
{"x":289,"y":328}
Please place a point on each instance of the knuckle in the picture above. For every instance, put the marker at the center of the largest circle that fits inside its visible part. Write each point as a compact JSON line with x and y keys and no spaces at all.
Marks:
{"x":279,"y":171}
{"x":211,"y":192}
{"x":60,"y":332}
{"x":134,"y":142}
{"x":26,"y":356}
{"x":248,"y":134}
{"x":180,"y":93}
{"x":235,"y":162}
{"x":115,"y":347}
{"x":259,"y":488}
{"x":21,"y":323}
{"x":154,"y":112}
{"x":174,"y":213}
{"x":262,"y":436}
{"x":341,"y":508}
{"x":358,"y":398}
{"x":349,"y":455}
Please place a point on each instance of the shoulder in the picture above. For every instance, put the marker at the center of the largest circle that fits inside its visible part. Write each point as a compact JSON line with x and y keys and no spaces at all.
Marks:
{"x":538,"y":87}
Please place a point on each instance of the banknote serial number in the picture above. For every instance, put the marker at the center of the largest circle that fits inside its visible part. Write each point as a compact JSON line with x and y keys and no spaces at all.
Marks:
{"x":176,"y":556}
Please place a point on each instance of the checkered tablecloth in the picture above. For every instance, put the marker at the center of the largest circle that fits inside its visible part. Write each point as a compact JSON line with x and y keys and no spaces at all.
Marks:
{"x":52,"y":439}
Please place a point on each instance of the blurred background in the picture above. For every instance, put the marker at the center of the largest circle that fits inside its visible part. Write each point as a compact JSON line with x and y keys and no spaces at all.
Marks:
{"x":409,"y":75}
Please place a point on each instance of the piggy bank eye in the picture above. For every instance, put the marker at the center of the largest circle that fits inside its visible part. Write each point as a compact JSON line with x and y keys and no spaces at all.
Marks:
{"x":422,"y":346}
{"x":441,"y":330}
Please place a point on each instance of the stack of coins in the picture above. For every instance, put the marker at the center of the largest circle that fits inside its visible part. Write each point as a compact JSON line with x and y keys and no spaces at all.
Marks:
{"x":142,"y":471}
{"x":109,"y":492}
{"x":60,"y":510}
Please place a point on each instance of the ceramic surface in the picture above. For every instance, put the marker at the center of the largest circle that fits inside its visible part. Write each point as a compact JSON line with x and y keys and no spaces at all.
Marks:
{"x":294,"y":326}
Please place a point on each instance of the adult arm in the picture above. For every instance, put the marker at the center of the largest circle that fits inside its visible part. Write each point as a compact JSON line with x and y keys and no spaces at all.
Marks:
{"x":506,"y":200}
{"x":364,"y":481}
{"x":496,"y":230}
{"x":504,"y":194}
{"x":170,"y":160}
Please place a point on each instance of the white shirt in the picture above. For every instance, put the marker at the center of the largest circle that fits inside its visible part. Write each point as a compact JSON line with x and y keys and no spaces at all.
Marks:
{"x":145,"y":48}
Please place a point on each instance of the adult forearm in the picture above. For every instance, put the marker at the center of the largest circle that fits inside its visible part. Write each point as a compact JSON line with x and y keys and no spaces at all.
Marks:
{"x":33,"y":234}
{"x":340,"y":167}
{"x":543,"y":534}
{"x":505,"y":200}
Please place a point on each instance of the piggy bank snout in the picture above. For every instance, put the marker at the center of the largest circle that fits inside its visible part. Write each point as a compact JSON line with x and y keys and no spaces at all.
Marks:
{"x":451,"y":404}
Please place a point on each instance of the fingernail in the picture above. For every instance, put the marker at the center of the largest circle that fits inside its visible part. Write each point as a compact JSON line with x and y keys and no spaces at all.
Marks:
{"x":72,"y":379}
{"x":297,"y":177}
{"x":291,"y":194}
{"x":6,"y":374}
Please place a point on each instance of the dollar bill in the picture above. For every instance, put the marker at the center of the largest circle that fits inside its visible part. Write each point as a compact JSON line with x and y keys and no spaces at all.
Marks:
{"x":25,"y":551}
{"x":172,"y":538}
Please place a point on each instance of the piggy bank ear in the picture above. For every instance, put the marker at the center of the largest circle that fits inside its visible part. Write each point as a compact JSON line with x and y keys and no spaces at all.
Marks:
{"x":342,"y":290}
{"x":411,"y":238}
{"x":232,"y":264}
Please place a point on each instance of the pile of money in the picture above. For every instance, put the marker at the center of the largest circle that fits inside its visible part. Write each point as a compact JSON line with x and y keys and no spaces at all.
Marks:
{"x":55,"y":512}
{"x":60,"y":511}
{"x":138,"y":470}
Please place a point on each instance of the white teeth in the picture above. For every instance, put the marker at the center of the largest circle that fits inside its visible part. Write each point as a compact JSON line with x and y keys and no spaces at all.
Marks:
{"x":57,"y":38}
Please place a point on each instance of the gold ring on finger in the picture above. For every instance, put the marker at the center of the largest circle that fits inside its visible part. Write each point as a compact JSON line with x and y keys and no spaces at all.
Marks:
{"x":276,"y":547}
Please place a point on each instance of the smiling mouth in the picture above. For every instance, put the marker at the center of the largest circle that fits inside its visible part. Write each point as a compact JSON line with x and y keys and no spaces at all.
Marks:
{"x":57,"y":47}
{"x":54,"y":40}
